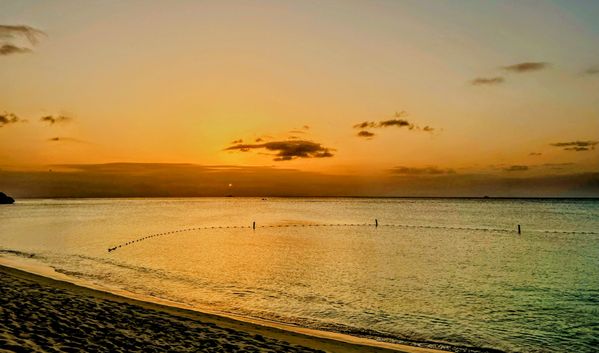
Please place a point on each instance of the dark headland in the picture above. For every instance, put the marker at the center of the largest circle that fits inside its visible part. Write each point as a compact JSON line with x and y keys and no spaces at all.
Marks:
{"x":5,"y":199}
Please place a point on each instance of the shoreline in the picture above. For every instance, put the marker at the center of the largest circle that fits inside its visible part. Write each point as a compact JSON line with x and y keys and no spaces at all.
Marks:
{"x":476,"y":198}
{"x":294,"y":336}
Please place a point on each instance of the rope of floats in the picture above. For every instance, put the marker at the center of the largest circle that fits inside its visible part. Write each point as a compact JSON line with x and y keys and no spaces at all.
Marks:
{"x":376,"y":224}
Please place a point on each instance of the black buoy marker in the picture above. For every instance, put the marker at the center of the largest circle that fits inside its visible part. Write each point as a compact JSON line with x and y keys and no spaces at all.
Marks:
{"x":519,"y":229}
{"x":254,"y":225}
{"x":376,"y":222}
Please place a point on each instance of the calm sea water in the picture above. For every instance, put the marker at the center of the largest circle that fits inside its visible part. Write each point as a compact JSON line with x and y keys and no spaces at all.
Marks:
{"x":441,"y":273}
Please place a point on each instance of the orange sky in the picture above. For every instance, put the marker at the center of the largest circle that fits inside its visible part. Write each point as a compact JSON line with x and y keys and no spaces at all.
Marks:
{"x":447,"y":88}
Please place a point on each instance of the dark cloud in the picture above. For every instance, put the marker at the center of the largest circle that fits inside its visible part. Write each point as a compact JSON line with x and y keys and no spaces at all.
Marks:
{"x":366,"y":134}
{"x":235,"y":142}
{"x":576,"y":146}
{"x":53,"y":119}
{"x":526,"y":67}
{"x":535,"y":154}
{"x":7,"y":49}
{"x":259,"y":139}
{"x":179,"y":180}
{"x":297,"y":132}
{"x":287,"y":150}
{"x":9,"y":33}
{"x":9,"y":118}
{"x":400,"y":170}
{"x":516,"y":168}
{"x":306,"y":127}
{"x":398,"y":121}
{"x":487,"y":81}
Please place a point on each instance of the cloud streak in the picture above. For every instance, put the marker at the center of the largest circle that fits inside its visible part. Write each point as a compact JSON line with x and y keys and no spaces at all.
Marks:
{"x":487,"y":81}
{"x":526,"y":67}
{"x":55,"y":119}
{"x":287,"y":150}
{"x":401,"y":170}
{"x":516,"y":168}
{"x":7,"y":49}
{"x":576,"y":146}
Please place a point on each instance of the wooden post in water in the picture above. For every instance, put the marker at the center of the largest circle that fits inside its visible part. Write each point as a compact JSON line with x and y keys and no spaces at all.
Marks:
{"x":254,"y":225}
{"x":519,"y":229}
{"x":376,"y":222}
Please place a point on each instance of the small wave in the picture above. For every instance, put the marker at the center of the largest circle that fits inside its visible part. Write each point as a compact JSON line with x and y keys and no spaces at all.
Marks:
{"x":381,"y":336}
{"x":18,"y":253}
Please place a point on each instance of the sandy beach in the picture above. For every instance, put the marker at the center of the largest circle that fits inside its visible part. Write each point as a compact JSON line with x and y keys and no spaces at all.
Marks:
{"x":46,"y":315}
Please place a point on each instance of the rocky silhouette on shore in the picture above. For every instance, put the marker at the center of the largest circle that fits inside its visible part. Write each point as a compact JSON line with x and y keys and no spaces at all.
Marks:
{"x":5,"y":199}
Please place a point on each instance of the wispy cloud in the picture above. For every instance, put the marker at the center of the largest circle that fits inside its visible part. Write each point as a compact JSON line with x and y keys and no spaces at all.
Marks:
{"x":535,"y":154}
{"x":302,"y":130}
{"x":12,"y":31}
{"x":487,"y":81}
{"x":593,"y":70}
{"x":9,"y":33}
{"x":9,"y":118}
{"x":401,"y":170}
{"x":526,"y":67}
{"x":516,"y":168}
{"x":65,"y":139}
{"x":54,"y":119}
{"x":576,"y":146}
{"x":287,"y":150}
{"x":557,"y":166}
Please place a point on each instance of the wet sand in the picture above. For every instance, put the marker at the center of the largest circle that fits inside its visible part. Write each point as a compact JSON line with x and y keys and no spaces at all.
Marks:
{"x":47,"y":315}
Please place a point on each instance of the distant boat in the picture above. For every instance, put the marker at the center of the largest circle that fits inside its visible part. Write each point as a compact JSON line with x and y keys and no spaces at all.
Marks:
{"x":5,"y":199}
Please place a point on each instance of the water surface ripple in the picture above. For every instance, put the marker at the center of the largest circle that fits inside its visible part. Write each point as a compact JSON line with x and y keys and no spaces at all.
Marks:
{"x":446,"y":273}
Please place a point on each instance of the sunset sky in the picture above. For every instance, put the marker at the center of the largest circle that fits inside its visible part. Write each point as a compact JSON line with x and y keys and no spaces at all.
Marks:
{"x":393,"y":98}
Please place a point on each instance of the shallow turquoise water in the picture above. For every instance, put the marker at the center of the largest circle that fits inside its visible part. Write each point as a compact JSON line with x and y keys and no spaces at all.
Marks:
{"x":436,"y":272}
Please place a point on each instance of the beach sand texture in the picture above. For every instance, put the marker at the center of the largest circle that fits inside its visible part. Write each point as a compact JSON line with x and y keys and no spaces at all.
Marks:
{"x":46,"y":315}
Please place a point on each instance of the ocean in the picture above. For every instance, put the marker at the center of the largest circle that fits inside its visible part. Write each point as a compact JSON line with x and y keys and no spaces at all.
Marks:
{"x":443,"y":273}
